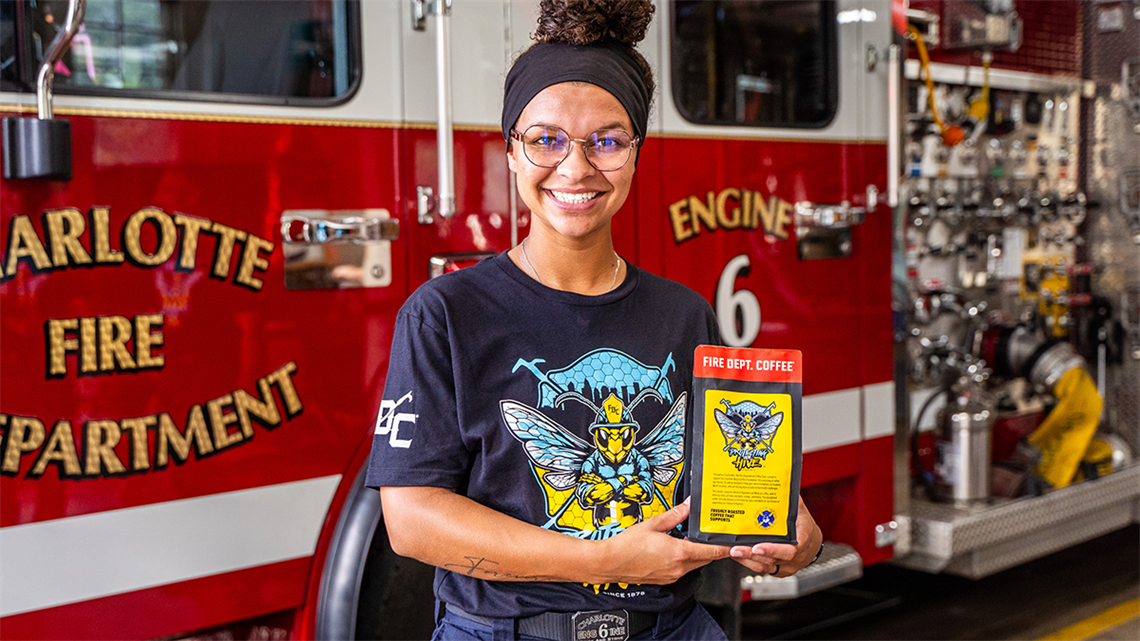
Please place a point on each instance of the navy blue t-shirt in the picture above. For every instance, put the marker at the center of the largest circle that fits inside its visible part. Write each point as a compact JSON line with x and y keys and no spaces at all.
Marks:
{"x":562,"y":410}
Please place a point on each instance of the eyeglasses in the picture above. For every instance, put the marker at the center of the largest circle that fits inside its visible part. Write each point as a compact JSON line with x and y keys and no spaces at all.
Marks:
{"x":547,"y":146}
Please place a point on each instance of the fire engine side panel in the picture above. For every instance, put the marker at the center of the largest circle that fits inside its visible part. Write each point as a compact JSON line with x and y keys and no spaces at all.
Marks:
{"x":217,"y":337}
{"x":278,"y":387}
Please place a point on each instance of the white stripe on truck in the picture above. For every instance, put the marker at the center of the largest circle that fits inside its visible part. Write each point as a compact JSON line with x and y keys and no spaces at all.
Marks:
{"x":78,"y":558}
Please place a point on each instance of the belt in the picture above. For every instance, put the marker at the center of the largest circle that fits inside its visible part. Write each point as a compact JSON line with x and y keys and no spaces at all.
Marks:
{"x":613,"y":625}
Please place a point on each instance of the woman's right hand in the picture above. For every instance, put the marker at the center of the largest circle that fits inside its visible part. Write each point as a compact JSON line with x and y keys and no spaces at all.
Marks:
{"x":647,"y":553}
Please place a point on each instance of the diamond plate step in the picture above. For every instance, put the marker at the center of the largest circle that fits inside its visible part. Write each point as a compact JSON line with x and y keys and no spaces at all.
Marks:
{"x":838,"y":564}
{"x":977,"y":542}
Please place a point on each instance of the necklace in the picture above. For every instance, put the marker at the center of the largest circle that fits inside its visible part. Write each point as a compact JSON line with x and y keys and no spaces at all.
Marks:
{"x":617,"y":266}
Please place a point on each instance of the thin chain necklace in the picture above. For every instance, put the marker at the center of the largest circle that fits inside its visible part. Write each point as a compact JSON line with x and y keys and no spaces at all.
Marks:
{"x":617,"y":266}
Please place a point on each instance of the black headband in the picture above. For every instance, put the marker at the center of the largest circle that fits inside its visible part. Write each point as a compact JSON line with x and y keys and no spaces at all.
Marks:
{"x":609,"y":64}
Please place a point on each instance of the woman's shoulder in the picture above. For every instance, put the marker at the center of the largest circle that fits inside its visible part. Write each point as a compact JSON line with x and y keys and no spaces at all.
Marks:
{"x":673,"y":292}
{"x":434,"y":297}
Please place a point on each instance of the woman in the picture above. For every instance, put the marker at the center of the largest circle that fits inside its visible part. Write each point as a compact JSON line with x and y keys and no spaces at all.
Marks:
{"x":543,"y":392}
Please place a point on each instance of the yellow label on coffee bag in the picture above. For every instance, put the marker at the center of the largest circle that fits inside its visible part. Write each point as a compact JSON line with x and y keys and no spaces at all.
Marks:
{"x":747,"y":461}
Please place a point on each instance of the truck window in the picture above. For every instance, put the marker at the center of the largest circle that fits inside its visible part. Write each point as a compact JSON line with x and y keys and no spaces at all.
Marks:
{"x":263,"y":51}
{"x":766,"y":63}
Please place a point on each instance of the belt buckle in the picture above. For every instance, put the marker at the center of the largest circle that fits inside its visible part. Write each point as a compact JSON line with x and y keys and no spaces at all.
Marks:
{"x":601,"y":625}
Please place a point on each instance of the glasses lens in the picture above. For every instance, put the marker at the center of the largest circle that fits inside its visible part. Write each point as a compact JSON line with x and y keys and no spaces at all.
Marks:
{"x":545,"y":146}
{"x":608,"y":149}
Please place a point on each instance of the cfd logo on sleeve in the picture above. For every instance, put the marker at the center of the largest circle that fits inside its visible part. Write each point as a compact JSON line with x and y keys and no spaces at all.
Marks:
{"x":396,"y":424}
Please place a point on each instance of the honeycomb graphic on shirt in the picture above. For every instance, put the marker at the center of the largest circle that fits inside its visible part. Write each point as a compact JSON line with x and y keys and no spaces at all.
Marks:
{"x":623,"y":474}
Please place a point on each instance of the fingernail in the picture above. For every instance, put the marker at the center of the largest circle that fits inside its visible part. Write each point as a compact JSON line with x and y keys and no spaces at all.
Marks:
{"x":735,"y":553}
{"x":687,"y":500}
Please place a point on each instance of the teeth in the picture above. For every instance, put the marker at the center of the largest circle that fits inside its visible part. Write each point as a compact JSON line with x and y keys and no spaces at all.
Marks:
{"x":573,"y":199}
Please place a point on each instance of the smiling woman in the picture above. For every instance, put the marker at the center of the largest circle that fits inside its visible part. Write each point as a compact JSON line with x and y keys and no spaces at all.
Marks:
{"x":497,"y":479}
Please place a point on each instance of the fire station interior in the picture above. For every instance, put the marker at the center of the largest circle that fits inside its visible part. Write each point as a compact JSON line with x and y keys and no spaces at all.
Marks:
{"x":1013,"y":176}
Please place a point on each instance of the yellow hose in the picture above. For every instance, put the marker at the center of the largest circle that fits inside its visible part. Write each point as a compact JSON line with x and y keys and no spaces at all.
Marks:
{"x":979,"y":108}
{"x":1064,"y":435}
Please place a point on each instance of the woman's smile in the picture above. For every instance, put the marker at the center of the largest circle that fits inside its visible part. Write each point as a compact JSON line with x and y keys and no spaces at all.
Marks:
{"x":573,"y":198}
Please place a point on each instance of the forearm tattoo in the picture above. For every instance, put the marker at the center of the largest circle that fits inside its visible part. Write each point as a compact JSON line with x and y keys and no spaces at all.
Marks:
{"x":484,"y":568}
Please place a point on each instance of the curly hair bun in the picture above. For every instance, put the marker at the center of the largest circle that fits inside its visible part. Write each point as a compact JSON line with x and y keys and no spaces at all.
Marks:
{"x":583,"y":22}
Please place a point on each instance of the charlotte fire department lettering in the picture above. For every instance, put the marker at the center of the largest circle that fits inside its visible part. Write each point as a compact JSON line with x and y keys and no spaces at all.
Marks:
{"x":731,"y":208}
{"x":148,"y":442}
{"x":171,"y":238}
{"x":388,"y":422}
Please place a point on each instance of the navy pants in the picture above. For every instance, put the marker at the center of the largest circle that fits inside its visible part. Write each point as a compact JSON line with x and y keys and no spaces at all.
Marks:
{"x":697,"y":624}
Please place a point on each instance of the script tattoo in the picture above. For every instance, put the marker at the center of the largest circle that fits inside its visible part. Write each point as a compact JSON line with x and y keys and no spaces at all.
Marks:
{"x":480,"y":567}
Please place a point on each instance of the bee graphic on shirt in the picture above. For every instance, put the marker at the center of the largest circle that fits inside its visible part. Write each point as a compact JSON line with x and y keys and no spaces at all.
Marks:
{"x":594,"y":489}
{"x":748,"y":428}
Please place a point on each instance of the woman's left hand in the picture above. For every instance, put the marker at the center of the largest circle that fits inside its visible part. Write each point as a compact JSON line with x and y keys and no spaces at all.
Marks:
{"x":780,"y":559}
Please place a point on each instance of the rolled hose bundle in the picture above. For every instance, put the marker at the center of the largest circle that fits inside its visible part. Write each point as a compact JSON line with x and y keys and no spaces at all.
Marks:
{"x":1065,"y":434}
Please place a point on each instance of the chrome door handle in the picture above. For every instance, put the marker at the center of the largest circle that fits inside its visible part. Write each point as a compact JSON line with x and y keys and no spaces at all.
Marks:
{"x":321,"y":227}
{"x":824,"y":231}
{"x":338,"y":249}
{"x":812,"y":216}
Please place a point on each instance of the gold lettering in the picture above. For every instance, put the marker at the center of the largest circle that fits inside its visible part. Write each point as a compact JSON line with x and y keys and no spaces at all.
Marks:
{"x":281,"y":377}
{"x":59,"y":450}
{"x":703,"y":213}
{"x":62,"y":228}
{"x":767,"y":212}
{"x":749,"y":221}
{"x":722,"y":212}
{"x":100,"y":439}
{"x":170,"y":439}
{"x":23,"y":243}
{"x":132,"y":237}
{"x":59,"y":344}
{"x":88,"y":363}
{"x":220,"y":420}
{"x":679,"y":215}
{"x":227,"y":236}
{"x":783,"y":219}
{"x":251,"y":260}
{"x":137,"y":428}
{"x":98,"y":221}
{"x":114,"y":332}
{"x":146,"y":340}
{"x":264,"y":410}
{"x":23,"y":434}
{"x":111,"y":340}
{"x":191,"y":227}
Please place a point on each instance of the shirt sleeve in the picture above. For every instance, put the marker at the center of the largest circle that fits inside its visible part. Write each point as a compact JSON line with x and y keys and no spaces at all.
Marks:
{"x":417,"y":439}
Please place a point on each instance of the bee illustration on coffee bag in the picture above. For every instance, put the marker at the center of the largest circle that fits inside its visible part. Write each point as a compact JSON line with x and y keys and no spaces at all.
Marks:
{"x":748,"y":429}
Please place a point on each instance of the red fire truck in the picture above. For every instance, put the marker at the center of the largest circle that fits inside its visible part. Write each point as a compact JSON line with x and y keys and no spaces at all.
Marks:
{"x":212,"y":211}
